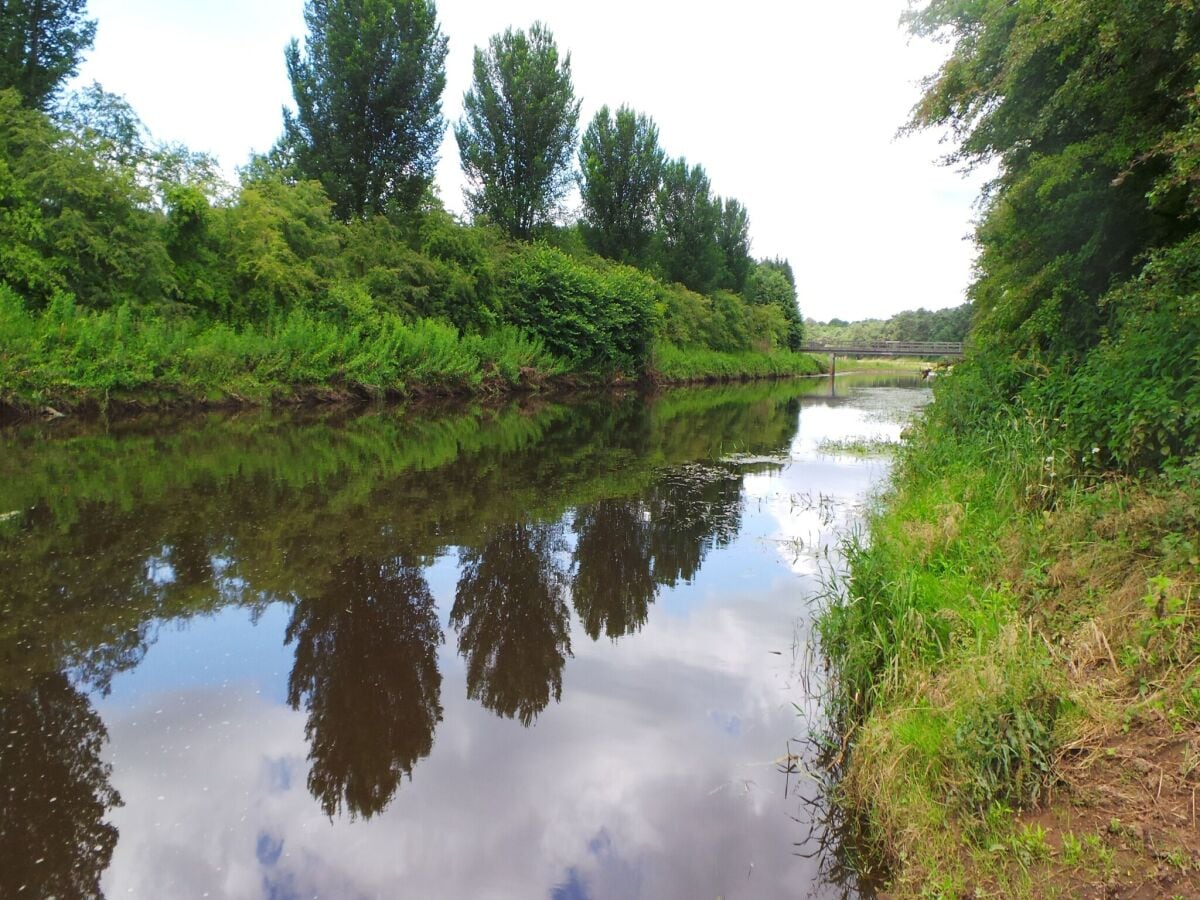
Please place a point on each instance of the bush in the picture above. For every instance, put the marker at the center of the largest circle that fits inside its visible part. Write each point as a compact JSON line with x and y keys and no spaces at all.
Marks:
{"x":597,"y":317}
{"x":1137,"y":395}
{"x":673,"y":363}
{"x":722,"y":321}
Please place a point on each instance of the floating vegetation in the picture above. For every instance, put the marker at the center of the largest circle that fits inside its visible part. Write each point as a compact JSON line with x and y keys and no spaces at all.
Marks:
{"x":858,"y":446}
{"x":824,"y":504}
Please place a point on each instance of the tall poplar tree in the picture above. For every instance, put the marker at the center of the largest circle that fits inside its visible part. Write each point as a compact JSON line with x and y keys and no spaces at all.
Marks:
{"x":733,"y":237}
{"x":368,"y":91}
{"x":41,"y":42}
{"x":621,"y":167}
{"x":517,"y":133}
{"x":688,"y":220}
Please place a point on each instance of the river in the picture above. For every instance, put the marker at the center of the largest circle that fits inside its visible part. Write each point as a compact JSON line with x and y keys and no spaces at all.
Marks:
{"x":548,"y":650}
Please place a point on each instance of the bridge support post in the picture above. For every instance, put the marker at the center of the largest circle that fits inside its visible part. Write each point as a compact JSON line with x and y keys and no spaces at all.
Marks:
{"x":832,"y":364}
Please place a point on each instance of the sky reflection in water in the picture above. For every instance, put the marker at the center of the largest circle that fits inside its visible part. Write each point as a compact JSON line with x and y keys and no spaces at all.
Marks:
{"x":546,"y":651}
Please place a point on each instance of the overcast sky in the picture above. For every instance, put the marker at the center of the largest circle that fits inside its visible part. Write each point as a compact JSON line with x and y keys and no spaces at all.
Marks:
{"x":791,"y":107}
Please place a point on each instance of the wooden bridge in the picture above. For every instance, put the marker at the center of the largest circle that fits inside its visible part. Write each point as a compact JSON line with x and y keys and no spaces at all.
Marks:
{"x":884,"y":348}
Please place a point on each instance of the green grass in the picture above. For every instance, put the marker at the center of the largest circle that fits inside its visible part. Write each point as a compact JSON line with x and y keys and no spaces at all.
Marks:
{"x":952,"y":700}
{"x":67,"y":355}
{"x":991,"y":559}
{"x":681,"y":364}
{"x":906,"y":364}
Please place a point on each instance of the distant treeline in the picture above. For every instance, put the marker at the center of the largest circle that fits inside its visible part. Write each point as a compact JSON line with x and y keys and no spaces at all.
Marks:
{"x":128,"y":265}
{"x":911,"y":325}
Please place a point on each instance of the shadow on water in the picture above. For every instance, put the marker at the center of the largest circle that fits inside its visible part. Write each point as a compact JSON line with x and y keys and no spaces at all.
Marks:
{"x":108,"y":536}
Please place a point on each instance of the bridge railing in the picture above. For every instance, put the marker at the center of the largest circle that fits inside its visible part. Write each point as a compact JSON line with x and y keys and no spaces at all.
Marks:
{"x":883,"y":348}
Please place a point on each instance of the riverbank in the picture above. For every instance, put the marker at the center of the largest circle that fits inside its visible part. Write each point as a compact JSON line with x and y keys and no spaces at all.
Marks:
{"x":1015,"y":656}
{"x":873,"y":365}
{"x":85,"y":363}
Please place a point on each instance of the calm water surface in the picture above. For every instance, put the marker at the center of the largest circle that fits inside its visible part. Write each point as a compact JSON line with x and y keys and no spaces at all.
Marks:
{"x":548,"y":651}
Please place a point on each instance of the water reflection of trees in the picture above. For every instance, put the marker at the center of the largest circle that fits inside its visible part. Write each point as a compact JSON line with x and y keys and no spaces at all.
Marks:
{"x":692,"y":510}
{"x":627,"y":549}
{"x":613,"y":584}
{"x":140,"y":524}
{"x":366,"y":672}
{"x":512,"y":619}
{"x":54,"y":792}
{"x":106,"y":536}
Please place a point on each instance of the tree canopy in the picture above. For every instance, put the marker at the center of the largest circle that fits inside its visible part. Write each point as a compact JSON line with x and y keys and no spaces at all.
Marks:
{"x":1085,"y":295}
{"x":770,"y":282}
{"x":621,"y":168}
{"x":368,"y":89}
{"x":688,"y":219}
{"x":517,"y":134}
{"x":1084,"y":106}
{"x":921,"y":324}
{"x":41,"y":42}
{"x":733,"y":237}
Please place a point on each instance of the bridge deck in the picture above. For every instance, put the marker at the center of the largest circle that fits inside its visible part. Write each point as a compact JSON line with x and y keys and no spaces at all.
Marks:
{"x":885,"y":348}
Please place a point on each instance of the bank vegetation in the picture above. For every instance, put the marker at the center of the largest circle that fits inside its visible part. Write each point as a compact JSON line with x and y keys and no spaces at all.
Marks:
{"x":1016,"y":647}
{"x":134,"y":271}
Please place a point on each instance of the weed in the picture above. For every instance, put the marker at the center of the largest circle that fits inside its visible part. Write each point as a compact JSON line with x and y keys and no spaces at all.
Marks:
{"x":1029,"y":845}
{"x":672,"y":363}
{"x":857,"y":446}
{"x":1072,"y":849}
{"x":1095,"y":846}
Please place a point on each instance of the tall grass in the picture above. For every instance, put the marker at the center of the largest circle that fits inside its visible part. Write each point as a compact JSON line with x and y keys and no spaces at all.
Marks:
{"x":993,"y":574}
{"x":950,"y":698}
{"x":67,"y":353}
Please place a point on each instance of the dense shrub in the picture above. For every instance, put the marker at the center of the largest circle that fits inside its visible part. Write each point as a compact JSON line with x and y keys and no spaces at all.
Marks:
{"x":599,"y":317}
{"x":283,"y":243}
{"x":1136,"y":397}
{"x":127,"y":265}
{"x":674,"y":363}
{"x":722,"y":321}
{"x":70,"y":221}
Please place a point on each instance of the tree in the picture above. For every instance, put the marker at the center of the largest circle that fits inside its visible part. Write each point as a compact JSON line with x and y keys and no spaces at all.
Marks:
{"x":368,"y":91}
{"x":74,"y":218}
{"x":41,"y":42}
{"x":771,"y":282}
{"x":733,"y":237}
{"x":1086,"y":108}
{"x":687,"y":227}
{"x":517,"y":132}
{"x":621,"y":168}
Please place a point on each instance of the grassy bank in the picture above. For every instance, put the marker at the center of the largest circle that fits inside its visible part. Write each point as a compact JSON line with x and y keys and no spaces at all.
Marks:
{"x":907,"y":364}
{"x":687,"y":364}
{"x":67,"y":358}
{"x":1015,"y":657}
